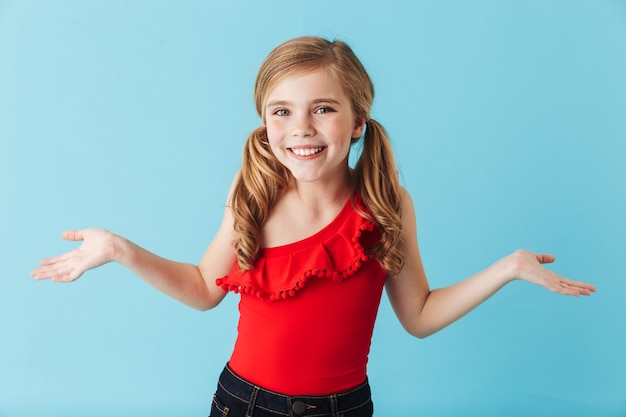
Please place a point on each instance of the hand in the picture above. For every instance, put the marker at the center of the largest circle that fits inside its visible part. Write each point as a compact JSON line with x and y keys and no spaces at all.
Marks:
{"x":98,"y":248}
{"x":528,"y":267}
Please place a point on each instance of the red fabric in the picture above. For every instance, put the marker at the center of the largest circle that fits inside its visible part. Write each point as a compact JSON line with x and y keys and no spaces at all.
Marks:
{"x":307,"y":310}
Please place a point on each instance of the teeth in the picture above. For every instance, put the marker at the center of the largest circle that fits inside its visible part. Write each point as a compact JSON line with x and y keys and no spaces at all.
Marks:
{"x":307,"y":151}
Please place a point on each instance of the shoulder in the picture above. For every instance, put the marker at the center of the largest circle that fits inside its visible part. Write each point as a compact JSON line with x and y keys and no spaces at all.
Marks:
{"x":406,"y":203}
{"x":405,"y":196}
{"x":408,"y":221}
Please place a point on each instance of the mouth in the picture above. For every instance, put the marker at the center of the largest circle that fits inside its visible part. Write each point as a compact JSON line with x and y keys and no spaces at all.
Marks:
{"x":306,"y":151}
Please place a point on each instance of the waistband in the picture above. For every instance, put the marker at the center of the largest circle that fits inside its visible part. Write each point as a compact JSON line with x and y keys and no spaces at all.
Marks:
{"x":285,"y":405}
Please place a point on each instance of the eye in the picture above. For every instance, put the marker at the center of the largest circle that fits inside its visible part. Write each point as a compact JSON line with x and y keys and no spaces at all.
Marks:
{"x":323,"y":110}
{"x":281,"y":112}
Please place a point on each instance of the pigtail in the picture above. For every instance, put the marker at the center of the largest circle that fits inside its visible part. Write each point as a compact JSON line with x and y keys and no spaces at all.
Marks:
{"x":377,"y":183}
{"x":262,"y":180}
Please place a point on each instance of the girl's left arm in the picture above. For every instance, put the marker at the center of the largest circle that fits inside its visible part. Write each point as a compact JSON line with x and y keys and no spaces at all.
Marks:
{"x":423,"y":312}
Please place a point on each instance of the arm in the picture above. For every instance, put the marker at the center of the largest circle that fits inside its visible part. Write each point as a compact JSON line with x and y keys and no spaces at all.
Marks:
{"x":423,"y":312}
{"x":190,"y":284}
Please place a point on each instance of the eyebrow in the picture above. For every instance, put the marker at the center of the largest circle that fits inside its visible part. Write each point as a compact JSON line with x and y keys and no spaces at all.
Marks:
{"x":316,"y":101}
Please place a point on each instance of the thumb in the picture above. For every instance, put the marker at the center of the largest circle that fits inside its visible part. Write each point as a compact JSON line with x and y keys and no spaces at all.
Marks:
{"x":545,"y":258}
{"x":73,"y":235}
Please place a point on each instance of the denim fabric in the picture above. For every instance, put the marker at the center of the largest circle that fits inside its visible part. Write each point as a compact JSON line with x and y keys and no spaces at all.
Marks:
{"x":236,"y":397}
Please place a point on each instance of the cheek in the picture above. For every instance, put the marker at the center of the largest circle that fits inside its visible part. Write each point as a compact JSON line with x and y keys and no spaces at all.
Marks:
{"x":273,"y":138}
{"x":342,"y":129}
{"x":273,"y":131}
{"x":273,"y":143}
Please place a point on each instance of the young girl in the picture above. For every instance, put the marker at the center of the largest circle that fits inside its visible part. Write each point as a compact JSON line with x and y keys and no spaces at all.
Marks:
{"x":309,"y":243}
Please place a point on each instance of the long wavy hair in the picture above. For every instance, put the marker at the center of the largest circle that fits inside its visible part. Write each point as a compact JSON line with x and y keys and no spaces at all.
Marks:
{"x":263,"y":178}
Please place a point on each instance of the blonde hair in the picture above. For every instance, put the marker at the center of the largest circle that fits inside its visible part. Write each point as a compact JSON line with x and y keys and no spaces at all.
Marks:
{"x":263,"y":178}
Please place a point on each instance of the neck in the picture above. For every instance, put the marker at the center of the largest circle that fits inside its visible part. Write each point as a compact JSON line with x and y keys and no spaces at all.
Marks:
{"x":318,"y":193}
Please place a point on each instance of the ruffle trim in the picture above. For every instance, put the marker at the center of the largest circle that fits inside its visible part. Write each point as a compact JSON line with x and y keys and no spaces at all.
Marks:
{"x":336,"y":253}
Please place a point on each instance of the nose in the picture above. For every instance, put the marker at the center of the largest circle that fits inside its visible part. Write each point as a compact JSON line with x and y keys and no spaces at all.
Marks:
{"x":302,"y":126}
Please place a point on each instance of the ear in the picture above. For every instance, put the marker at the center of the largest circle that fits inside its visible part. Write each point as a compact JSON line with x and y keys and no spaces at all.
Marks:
{"x":358,"y":127}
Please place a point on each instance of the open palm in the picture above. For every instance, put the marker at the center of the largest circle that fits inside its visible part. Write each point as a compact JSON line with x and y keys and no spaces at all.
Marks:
{"x":97,"y":249}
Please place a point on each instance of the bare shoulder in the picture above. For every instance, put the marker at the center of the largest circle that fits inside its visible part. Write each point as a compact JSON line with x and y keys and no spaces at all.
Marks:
{"x":410,"y":248}
{"x":407,"y":208}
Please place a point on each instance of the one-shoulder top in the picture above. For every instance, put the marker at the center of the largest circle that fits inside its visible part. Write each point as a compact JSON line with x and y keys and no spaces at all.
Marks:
{"x":307,"y":309}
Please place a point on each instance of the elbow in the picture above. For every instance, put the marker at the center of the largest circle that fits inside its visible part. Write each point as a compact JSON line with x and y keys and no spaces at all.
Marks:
{"x":424,"y":335}
{"x":207,"y":298}
{"x":206,"y":303}
{"x":418,"y":330}
{"x":203,"y":307}
{"x":420,"y":334}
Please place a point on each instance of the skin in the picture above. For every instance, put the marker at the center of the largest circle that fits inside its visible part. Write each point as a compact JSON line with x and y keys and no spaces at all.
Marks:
{"x":309,"y":122}
{"x":309,"y":113}
{"x":423,"y":312}
{"x":318,"y":118}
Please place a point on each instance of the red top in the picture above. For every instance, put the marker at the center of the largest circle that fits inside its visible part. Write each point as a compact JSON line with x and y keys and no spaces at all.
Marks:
{"x":307,"y":310}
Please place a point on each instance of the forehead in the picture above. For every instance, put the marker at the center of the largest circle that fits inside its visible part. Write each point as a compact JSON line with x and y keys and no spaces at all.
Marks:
{"x":314,"y":83}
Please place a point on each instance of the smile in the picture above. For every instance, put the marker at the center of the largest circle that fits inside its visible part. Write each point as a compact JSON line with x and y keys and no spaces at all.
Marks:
{"x":306,"y":151}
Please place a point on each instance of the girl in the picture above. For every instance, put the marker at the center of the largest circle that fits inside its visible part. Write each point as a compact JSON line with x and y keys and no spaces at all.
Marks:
{"x":309,"y":243}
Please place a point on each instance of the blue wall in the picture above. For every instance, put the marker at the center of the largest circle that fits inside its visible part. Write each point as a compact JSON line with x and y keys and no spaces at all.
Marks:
{"x":509,"y":119}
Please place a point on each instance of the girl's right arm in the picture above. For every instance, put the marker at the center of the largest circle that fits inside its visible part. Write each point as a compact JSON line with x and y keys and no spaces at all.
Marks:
{"x":190,"y":284}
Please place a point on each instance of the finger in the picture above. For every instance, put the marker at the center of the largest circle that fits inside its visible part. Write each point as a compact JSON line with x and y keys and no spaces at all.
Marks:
{"x":560,"y":286}
{"x":545,"y":258}
{"x":46,"y":272}
{"x":51,"y":267}
{"x":42,"y":274}
{"x":580,"y":284}
{"x":576,"y":288}
{"x":38,"y":274}
{"x":581,"y":287}
{"x":56,"y":259}
{"x":63,"y":278}
{"x":73,"y":235}
{"x":67,"y":275}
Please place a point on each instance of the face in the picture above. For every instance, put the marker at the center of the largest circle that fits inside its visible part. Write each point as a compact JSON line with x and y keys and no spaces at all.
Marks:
{"x":310,"y":123}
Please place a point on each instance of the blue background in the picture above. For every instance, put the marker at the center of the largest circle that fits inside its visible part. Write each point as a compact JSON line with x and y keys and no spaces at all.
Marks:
{"x":509,"y":122}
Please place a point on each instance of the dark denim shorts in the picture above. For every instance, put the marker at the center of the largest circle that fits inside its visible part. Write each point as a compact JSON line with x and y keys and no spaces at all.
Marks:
{"x":236,"y":397}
